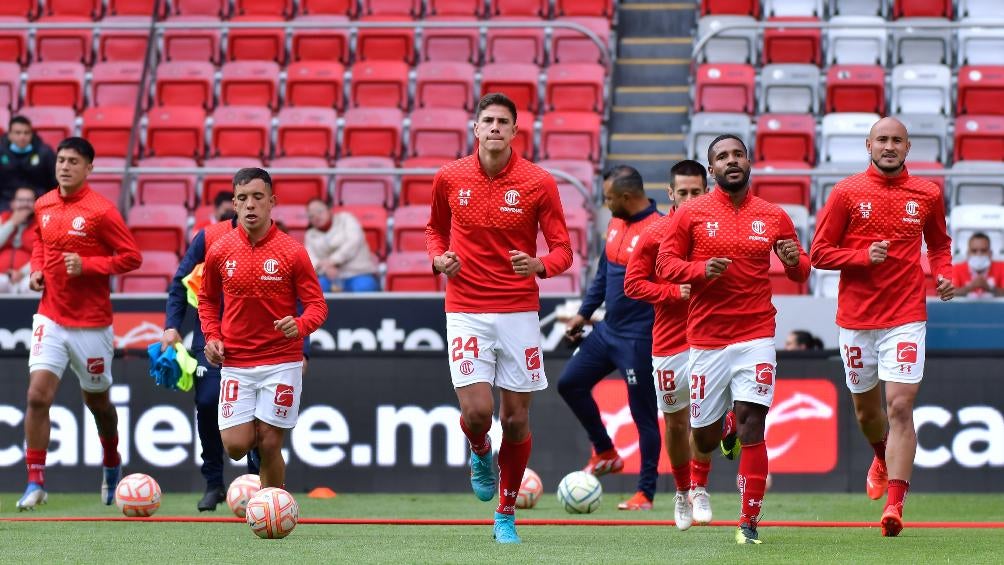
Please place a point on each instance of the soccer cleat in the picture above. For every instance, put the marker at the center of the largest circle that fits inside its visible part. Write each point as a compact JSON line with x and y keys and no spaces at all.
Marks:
{"x":213,"y":496}
{"x":877,"y":482}
{"x":483,"y":476}
{"x":505,"y":529}
{"x":602,"y":463}
{"x":700,"y":500}
{"x":637,"y":502}
{"x":33,"y":496}
{"x":109,"y":480}
{"x":683,"y":511}
{"x":892,"y":522}
{"x":746,"y":533}
{"x":730,"y":445}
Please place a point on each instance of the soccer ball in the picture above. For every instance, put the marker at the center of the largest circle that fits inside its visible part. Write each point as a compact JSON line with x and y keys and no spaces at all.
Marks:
{"x":137,"y":495}
{"x":529,"y":490}
{"x":240,"y":491}
{"x":272,"y":513}
{"x":580,"y":493}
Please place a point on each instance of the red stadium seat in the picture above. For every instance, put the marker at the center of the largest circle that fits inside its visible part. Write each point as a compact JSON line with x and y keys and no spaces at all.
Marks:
{"x":444,"y":85}
{"x":722,"y":87}
{"x":108,"y":185}
{"x":515,"y":45}
{"x":575,"y":87}
{"x":323,"y":43}
{"x":385,"y":44}
{"x":409,"y":228}
{"x":439,"y":132}
{"x":518,"y":81}
{"x":13,"y":42}
{"x":108,"y":129}
{"x":10,"y":86}
{"x":307,"y":132}
{"x":570,"y":46}
{"x":793,"y":45}
{"x":272,"y":8}
{"x":379,"y":84}
{"x":213,"y":184}
{"x":411,"y":272}
{"x":568,"y":282}
{"x":922,"y":9}
{"x":577,"y":222}
{"x":256,"y":44}
{"x":583,"y":171}
{"x":185,"y":83}
{"x":779,"y":281}
{"x":740,"y":7}
{"x":90,"y":9}
{"x":241,"y":131}
{"x":417,"y":188}
{"x":136,"y":7}
{"x":401,"y":8}
{"x":124,"y":44}
{"x":299,"y":189}
{"x":929,"y":166}
{"x":455,"y":7}
{"x":176,"y":131}
{"x":176,"y":189}
{"x":591,"y":8}
{"x":570,"y":135}
{"x":329,"y":7}
{"x":537,"y":8}
{"x":855,"y":88}
{"x":52,"y":123}
{"x":369,"y":189}
{"x":979,"y":138}
{"x":293,"y":218}
{"x":55,"y":84}
{"x":374,"y":132}
{"x":159,"y":227}
{"x":786,"y":137}
{"x":215,"y":8}
{"x":782,"y":190}
{"x":192,"y":44}
{"x":524,"y":144}
{"x":981,"y":90}
{"x":250,"y":83}
{"x":116,"y":84}
{"x":66,"y":45}
{"x":373,"y":220}
{"x":204,"y":215}
{"x":457,"y":44}
{"x":4,"y":120}
{"x":154,"y":275}
{"x":19,"y":8}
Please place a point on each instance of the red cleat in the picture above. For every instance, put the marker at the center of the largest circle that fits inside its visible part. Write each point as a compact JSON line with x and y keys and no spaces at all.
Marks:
{"x":602,"y":463}
{"x":892,"y":522}
{"x":878,"y":479}
{"x":637,"y":502}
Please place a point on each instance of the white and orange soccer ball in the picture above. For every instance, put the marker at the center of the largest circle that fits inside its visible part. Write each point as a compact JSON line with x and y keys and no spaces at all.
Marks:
{"x":240,"y":492}
{"x":272,"y":513}
{"x":529,"y":490}
{"x":137,"y":495}
{"x":580,"y":493}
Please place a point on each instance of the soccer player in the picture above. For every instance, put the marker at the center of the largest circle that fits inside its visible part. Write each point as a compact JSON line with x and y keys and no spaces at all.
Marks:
{"x":720,"y":244}
{"x":259,"y":272}
{"x":670,"y":352}
{"x":80,"y":241}
{"x":482,"y":234}
{"x":870,"y":230}
{"x":622,"y":341}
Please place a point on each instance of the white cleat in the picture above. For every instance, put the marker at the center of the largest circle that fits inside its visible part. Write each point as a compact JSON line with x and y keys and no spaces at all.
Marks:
{"x":683,"y":512}
{"x":701,"y":502}
{"x":33,"y":496}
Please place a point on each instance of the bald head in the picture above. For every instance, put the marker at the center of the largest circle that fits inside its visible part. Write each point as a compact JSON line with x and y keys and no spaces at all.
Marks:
{"x":888,"y":145}
{"x":889,"y":126}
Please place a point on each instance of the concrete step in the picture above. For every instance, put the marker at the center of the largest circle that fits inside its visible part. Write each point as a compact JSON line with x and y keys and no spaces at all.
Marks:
{"x":654,"y":47}
{"x":651,"y":96}
{"x":651,"y":19}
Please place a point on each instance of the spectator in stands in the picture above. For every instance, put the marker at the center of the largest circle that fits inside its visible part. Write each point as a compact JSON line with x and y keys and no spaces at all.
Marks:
{"x":17,"y":234}
{"x":338,"y":249}
{"x":24,"y":161}
{"x":802,"y":340}
{"x":979,"y":276}
{"x":223,"y":206}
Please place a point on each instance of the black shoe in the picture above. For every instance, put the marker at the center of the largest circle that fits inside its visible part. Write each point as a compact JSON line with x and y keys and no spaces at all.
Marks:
{"x":213,"y":496}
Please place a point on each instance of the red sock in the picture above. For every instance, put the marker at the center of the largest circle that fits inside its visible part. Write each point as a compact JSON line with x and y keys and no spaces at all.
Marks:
{"x":897,"y":493}
{"x":110,"y":450}
{"x":512,"y":462}
{"x":752,"y":480}
{"x":681,"y":476}
{"x":879,"y":448}
{"x":479,"y":442}
{"x":699,"y":473}
{"x":34,"y":459}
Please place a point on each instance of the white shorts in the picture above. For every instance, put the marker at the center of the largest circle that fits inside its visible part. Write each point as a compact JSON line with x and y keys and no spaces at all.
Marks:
{"x":503,"y":350}
{"x":270,"y":393}
{"x":894,"y":354}
{"x":741,"y":371}
{"x":88,"y":351}
{"x":672,"y":381}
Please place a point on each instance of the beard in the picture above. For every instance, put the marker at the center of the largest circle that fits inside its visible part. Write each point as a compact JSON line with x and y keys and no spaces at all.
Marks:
{"x":886,"y":169}
{"x":733,"y":187}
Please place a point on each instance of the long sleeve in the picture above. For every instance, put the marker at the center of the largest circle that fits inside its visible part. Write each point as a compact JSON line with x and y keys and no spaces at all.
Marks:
{"x":799,"y":272}
{"x":831,"y":225}
{"x":939,"y":243}
{"x":350,"y":239}
{"x":552,"y":223}
{"x":639,"y":280}
{"x":437,"y":231}
{"x":38,"y":249}
{"x":597,"y":290}
{"x":125,"y":253}
{"x":210,"y":297}
{"x":308,"y":292}
{"x":671,"y":263}
{"x":177,"y":295}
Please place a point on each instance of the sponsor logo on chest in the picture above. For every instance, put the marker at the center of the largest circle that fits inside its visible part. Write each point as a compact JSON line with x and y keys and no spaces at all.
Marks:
{"x":912,"y":210}
{"x":759,"y":228}
{"x":77,"y":227}
{"x":271,"y":267}
{"x":464,"y":196}
{"x":865,"y":209}
{"x":511,"y":202}
{"x":712,"y":228}
{"x":231,"y":266}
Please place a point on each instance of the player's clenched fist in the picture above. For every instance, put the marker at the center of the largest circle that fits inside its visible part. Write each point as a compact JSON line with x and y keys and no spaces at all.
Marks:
{"x":287,"y":326}
{"x":448,"y":263}
{"x":787,"y":252}
{"x":946,"y":291}
{"x":74,"y":264}
{"x":36,"y":281}
{"x":214,"y":352}
{"x":878,"y":251}
{"x":524,"y":265}
{"x":685,"y":292}
{"x":715,"y":266}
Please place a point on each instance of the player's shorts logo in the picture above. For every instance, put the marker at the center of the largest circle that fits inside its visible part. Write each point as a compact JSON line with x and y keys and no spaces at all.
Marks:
{"x":467,"y":367}
{"x":36,"y":349}
{"x":912,"y":208}
{"x":78,"y":223}
{"x":512,"y":197}
{"x":95,"y":365}
{"x":227,"y":410}
{"x":906,"y":352}
{"x":532,"y":358}
{"x":759,"y":227}
{"x":669,"y":399}
{"x":764,"y":373}
{"x":271,"y":266}
{"x":283,"y":396}
{"x":853,"y":377}
{"x":695,"y":410}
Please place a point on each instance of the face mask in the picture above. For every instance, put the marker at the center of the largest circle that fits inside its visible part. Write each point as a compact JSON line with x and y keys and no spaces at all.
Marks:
{"x":19,"y":150}
{"x":979,"y":263}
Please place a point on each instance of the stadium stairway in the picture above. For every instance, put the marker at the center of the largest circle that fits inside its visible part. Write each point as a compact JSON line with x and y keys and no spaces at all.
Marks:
{"x":651,"y":89}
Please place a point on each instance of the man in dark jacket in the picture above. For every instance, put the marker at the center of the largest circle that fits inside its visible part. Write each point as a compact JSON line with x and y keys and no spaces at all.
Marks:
{"x":25,"y":160}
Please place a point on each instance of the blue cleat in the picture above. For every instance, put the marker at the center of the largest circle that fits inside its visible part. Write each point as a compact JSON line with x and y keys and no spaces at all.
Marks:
{"x":483,"y":476}
{"x":33,"y":496}
{"x":505,"y":529}
{"x":109,"y":480}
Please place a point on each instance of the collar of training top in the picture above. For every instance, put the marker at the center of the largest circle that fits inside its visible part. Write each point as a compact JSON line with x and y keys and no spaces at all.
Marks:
{"x":76,"y":196}
{"x":875,"y":175}
{"x":723,"y":196}
{"x":268,"y":235}
{"x":513,"y":158}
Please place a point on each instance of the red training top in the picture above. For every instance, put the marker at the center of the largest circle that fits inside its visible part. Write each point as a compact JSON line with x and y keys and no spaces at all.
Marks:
{"x":962,"y":275}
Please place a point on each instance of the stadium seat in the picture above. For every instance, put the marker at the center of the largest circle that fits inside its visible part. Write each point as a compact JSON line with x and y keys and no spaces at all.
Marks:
{"x":537,"y":8}
{"x":256,"y":44}
{"x":786,"y":137}
{"x":411,"y":272}
{"x":576,"y":87}
{"x":201,"y":44}
{"x":918,"y":166}
{"x":980,"y":45}
{"x":52,"y":123}
{"x":980,"y":90}
{"x":399,"y":8}
{"x":577,"y":221}
{"x":515,"y":44}
{"x":55,"y":84}
{"x":856,"y":44}
{"x":793,"y":45}
{"x":444,"y":84}
{"x":857,"y":8}
{"x":921,"y":89}
{"x":571,"y":46}
{"x":136,"y":8}
{"x":13,"y":42}
{"x":524,"y":144}
{"x":830,"y":175}
{"x":379,"y":84}
{"x":124,"y":44}
{"x":915,"y":45}
{"x":185,"y":83}
{"x":315,"y":83}
{"x":704,"y":127}
{"x":64,"y":45}
{"x":176,"y":131}
{"x":364,"y":189}
{"x":374,"y":132}
{"x":800,"y":219}
{"x":323,"y":43}
{"x":417,"y":188}
{"x":979,"y":138}
{"x":373,"y":220}
{"x":307,"y":132}
{"x":981,"y":9}
{"x":928,"y":137}
{"x":409,"y":228}
{"x":439,"y":132}
{"x":583,"y":171}
{"x":731,"y":46}
{"x":517,"y":80}
{"x":454,"y":44}
{"x":214,"y":183}
{"x":241,"y":131}
{"x":293,"y":218}
{"x":108,"y":185}
{"x":215,"y":8}
{"x":782,"y":189}
{"x":825,"y":284}
{"x":116,"y":84}
{"x":108,"y":129}
{"x":744,"y":7}
{"x":570,"y":135}
{"x":922,"y":9}
{"x":965,"y":220}
{"x":385,"y":44}
{"x":10,"y":86}
{"x":158,"y":188}
{"x":855,"y":88}
{"x":455,"y":7}
{"x":154,"y":275}
{"x":793,"y":8}
{"x":568,"y":282}
{"x":4,"y":119}
{"x":329,"y":7}
{"x":779,"y":281}
{"x":299,"y":189}
{"x":89,"y":9}
{"x":722,"y":87}
{"x":203,"y":216}
{"x":789,"y":89}
{"x":844,"y":135}
{"x":250,"y":83}
{"x":978,"y":189}
{"x":21,"y":8}
{"x":158,"y":227}
{"x":275,"y":9}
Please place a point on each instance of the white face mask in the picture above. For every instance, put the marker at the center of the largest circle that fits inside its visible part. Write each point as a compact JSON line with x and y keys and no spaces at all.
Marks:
{"x":979,"y":263}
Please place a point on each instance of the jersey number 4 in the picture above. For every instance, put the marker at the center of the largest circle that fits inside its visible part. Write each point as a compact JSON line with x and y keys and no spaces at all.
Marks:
{"x":459,"y":346}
